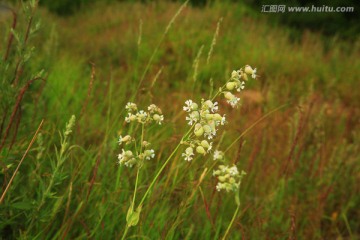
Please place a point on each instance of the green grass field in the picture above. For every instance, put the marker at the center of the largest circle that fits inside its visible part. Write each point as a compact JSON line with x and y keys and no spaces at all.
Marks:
{"x":295,"y":133}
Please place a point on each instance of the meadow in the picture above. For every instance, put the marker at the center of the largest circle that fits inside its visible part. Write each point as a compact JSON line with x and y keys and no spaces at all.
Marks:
{"x":295,"y":132}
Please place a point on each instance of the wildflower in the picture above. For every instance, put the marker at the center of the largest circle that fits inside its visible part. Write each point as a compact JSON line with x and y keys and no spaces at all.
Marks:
{"x":199,"y":130}
{"x":240,"y":86}
{"x":208,"y":104}
{"x":131,"y":107}
{"x":214,"y":107}
{"x":235,"y":75}
{"x":126,"y":158}
{"x":231,"y":99}
{"x":130,"y":118}
{"x":145,"y":144}
{"x":149,"y":154}
{"x":187,"y":107}
{"x":249,"y":70}
{"x":193,"y":117}
{"x":141,"y":116}
{"x":158,"y":118}
{"x":229,"y":178}
{"x":218,"y":155}
{"x":154,"y":109}
{"x":206,"y":145}
{"x":201,"y":150}
{"x":223,"y":120}
{"x":209,"y":132}
{"x":125,"y":139}
{"x":253,"y":75}
{"x":230,"y":85}
{"x":189,"y":153}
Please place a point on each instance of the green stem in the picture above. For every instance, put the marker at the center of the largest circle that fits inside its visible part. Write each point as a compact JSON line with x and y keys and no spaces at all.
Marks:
{"x":231,"y":223}
{"x":125,"y":232}
{"x":163,"y":167}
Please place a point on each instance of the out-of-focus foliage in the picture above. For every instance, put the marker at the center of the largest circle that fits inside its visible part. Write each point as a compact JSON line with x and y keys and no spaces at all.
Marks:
{"x":344,"y":24}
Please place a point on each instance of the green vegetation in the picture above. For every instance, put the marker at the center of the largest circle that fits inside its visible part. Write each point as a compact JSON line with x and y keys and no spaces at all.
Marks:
{"x":302,"y":160}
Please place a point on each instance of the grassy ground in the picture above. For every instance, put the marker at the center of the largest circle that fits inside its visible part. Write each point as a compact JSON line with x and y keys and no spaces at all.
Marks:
{"x":302,"y":161}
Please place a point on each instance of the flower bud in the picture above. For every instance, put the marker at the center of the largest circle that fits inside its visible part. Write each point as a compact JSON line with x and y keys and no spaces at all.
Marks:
{"x":232,"y":180}
{"x":128,"y":153}
{"x":127,"y":138}
{"x":189,"y":150}
{"x":244,"y":76}
{"x":216,"y":172}
{"x":199,"y":132}
{"x":157,"y":117}
{"x":201,"y":150}
{"x":205,"y":144}
{"x":132,"y":118}
{"x":208,"y":103}
{"x":230,"y":86}
{"x":229,"y":95}
{"x":248,"y":70}
{"x":221,"y":178}
{"x":207,"y":128}
{"x":234,"y":75}
{"x":194,"y":106}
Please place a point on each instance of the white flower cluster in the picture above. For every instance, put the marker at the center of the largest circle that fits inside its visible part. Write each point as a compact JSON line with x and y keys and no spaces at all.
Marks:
{"x":154,"y":113}
{"x":206,"y":121}
{"x":229,"y":178}
{"x":236,"y":82}
{"x":128,"y":158}
{"x":142,"y":151}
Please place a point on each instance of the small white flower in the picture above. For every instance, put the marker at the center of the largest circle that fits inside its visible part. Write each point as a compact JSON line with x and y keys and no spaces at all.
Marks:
{"x":223,"y":120}
{"x":121,"y":156}
{"x":218,"y":155}
{"x":233,"y":171}
{"x":125,"y":139}
{"x":235,"y":75}
{"x":234,"y":101}
{"x":158,"y":118}
{"x":193,"y":117}
{"x":210,"y":132}
{"x":215,"y":107}
{"x":209,"y":135}
{"x":229,"y":178}
{"x":253,"y":75}
{"x":120,"y":140}
{"x":131,"y":106}
{"x":141,"y":116}
{"x":249,"y":70}
{"x":127,"y":119}
{"x":210,"y":147}
{"x":241,"y":86}
{"x":189,"y":153}
{"x":154,"y":109}
{"x":187,"y":107}
{"x":149,"y":154}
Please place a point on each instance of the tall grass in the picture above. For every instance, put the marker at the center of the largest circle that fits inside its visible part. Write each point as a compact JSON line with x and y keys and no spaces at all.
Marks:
{"x":301,"y":161}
